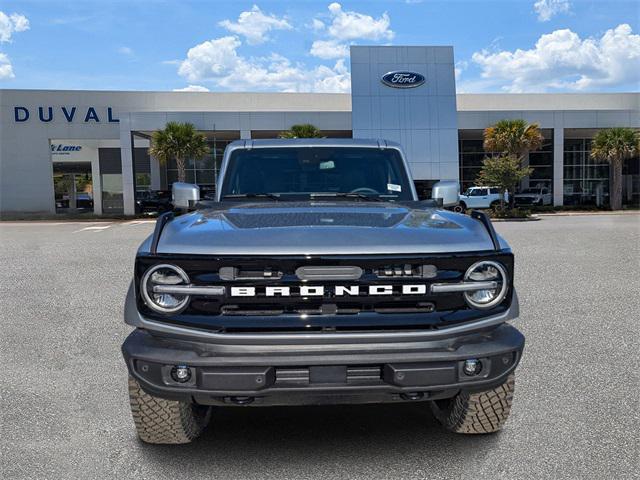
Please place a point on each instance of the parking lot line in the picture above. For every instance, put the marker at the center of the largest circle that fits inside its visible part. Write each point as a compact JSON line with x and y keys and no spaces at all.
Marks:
{"x":139,"y":222}
{"x":94,"y":228}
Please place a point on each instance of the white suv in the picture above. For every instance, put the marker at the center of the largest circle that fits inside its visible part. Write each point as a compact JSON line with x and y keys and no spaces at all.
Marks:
{"x":481,"y":197}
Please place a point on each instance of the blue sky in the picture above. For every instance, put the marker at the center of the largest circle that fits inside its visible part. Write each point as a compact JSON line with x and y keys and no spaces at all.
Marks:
{"x":500,"y":46}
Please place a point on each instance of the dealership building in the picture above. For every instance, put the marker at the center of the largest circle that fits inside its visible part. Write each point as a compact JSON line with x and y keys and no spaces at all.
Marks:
{"x":72,"y":151}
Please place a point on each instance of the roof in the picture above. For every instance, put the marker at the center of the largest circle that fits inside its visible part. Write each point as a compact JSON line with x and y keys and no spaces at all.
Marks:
{"x":314,"y":142}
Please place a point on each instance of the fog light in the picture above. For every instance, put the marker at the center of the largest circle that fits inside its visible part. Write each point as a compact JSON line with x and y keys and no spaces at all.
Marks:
{"x":181,"y":374}
{"x":472,"y":367}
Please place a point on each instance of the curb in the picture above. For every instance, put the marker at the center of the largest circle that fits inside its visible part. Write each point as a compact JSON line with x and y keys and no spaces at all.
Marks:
{"x":532,"y":218}
{"x":579,"y":214}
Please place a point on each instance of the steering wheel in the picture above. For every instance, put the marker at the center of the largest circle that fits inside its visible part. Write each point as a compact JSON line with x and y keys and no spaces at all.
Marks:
{"x":364,"y":190}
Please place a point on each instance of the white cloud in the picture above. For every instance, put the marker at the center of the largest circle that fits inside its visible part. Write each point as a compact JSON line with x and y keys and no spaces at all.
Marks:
{"x":6,"y":70}
{"x":327,"y":49}
{"x":218,"y":61}
{"x":254,"y":25}
{"x":346,"y":25}
{"x":128,"y":51}
{"x":562,"y":60}
{"x":192,"y":88}
{"x":546,"y":9}
{"x":211,"y":59}
{"x":460,"y":67}
{"x":332,"y":80}
{"x":317,"y":25}
{"x":10,"y":24}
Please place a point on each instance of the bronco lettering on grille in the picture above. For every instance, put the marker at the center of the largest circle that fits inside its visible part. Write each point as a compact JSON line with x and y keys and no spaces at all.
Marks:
{"x":320,"y":291}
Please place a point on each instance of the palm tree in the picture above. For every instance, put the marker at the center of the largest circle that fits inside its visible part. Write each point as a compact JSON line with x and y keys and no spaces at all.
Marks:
{"x":178,"y":141}
{"x":513,"y":138}
{"x":304,"y":130}
{"x":615,"y":145}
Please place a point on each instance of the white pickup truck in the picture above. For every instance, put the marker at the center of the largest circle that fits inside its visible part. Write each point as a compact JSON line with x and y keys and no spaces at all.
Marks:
{"x":481,"y":197}
{"x":534,"y":196}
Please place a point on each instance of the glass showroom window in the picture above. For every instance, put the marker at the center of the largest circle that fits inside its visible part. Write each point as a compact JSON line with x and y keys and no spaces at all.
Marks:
{"x":586,"y":181}
{"x":471,"y":156}
{"x":203,"y":172}
{"x":142,"y":165}
{"x":542,"y":163}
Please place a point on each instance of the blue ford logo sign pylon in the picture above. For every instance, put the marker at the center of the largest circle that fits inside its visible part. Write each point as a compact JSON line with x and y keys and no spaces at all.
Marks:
{"x":402,"y":79}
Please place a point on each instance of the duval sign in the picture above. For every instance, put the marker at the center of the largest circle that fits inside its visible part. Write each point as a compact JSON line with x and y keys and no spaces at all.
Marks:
{"x":66,"y":113}
{"x":402,"y":79}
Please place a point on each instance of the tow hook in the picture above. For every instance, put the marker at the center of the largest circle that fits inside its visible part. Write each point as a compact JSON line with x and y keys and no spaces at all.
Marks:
{"x":412,"y":396}
{"x":240,"y":400}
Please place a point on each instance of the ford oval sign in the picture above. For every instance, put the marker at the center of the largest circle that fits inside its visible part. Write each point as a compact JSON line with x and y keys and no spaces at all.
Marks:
{"x":401,"y":79}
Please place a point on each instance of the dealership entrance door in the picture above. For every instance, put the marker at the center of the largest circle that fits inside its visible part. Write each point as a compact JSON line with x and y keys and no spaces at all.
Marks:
{"x":73,"y":187}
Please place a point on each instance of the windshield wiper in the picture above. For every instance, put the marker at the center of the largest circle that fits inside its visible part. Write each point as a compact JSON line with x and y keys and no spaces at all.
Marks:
{"x":272,"y":196}
{"x":361,"y":196}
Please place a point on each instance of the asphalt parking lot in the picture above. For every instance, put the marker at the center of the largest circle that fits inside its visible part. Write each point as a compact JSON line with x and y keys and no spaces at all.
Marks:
{"x":65,"y":410}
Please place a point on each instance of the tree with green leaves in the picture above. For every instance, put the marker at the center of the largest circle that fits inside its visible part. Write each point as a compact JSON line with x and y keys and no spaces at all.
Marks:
{"x":504,"y":172}
{"x":614,"y":146}
{"x":515,"y":138}
{"x":179,"y":141}
{"x":304,"y":130}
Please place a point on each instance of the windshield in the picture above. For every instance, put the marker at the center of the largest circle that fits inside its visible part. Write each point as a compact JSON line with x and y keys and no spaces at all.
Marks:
{"x":303,"y":172}
{"x":531,"y":190}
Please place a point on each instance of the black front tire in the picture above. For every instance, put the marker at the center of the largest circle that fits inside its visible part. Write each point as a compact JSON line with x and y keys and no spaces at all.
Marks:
{"x":478,"y":412}
{"x":161,"y":421}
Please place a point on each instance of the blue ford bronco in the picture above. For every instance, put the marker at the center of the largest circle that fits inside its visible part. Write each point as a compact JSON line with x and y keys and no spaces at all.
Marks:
{"x":316,"y":276}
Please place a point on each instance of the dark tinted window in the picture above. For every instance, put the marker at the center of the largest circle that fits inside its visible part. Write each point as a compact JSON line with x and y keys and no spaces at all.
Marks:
{"x":305,"y":170}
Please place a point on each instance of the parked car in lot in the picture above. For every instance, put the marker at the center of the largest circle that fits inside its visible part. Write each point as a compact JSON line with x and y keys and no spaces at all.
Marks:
{"x":153,"y":201}
{"x":84,"y":200}
{"x":481,"y":197}
{"x":317,"y":276}
{"x":534,"y":196}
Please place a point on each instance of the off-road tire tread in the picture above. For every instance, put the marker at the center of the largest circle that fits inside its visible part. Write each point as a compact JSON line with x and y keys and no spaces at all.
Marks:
{"x":162,"y":421}
{"x":479,"y":412}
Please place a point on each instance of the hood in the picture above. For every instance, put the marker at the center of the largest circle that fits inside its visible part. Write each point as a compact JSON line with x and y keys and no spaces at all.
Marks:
{"x":317,"y":228}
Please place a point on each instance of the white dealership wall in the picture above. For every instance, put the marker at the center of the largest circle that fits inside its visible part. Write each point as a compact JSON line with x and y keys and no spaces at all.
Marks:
{"x":560,"y":112}
{"x":424,"y":119}
{"x":26,"y":183}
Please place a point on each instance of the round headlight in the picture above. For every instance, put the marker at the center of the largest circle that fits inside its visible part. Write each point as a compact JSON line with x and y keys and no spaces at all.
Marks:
{"x":164,"y":275}
{"x":486,"y":271}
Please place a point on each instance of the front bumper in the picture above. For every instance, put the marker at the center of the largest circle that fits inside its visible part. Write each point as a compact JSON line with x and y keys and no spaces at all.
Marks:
{"x":359,"y":372}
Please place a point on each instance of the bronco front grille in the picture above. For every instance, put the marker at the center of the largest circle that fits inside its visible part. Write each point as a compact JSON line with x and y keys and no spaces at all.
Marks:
{"x":371,"y":290}
{"x":326,"y":309}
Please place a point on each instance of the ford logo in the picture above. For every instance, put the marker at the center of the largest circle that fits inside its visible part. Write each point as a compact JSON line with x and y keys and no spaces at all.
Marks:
{"x":401,"y":79}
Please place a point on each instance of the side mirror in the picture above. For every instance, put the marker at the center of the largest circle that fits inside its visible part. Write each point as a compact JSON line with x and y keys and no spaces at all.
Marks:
{"x":185,"y":195}
{"x":447,"y":192}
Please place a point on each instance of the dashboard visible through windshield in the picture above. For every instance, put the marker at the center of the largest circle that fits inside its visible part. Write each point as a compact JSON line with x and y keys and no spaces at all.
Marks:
{"x":308,"y":172}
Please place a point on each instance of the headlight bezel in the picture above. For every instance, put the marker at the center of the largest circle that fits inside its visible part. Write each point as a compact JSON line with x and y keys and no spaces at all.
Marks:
{"x":150,"y":303}
{"x":502,"y":292}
